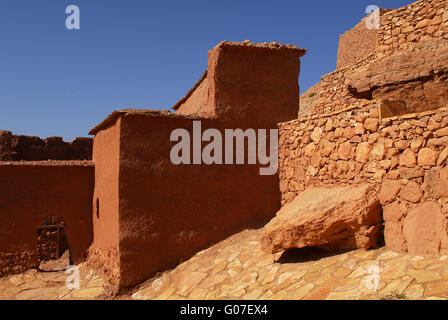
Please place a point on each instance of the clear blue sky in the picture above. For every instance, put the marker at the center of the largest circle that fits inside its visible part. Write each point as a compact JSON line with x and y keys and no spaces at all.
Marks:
{"x":143,"y":53}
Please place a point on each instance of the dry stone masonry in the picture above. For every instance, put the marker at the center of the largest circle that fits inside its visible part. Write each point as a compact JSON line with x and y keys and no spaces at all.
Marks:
{"x":382,"y":120}
{"x":407,"y":63}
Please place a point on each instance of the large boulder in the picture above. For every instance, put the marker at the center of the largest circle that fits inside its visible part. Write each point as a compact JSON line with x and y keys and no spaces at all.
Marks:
{"x":334,"y":219}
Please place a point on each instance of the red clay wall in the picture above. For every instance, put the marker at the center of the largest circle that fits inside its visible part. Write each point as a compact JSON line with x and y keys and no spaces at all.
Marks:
{"x":169,"y":212}
{"x":198,"y":100}
{"x":106,"y":152}
{"x":247,"y":82}
{"x":32,"y":191}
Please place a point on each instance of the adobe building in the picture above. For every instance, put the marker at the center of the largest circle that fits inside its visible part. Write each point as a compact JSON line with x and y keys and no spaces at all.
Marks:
{"x":149,"y":214}
{"x":379,"y":119}
{"x":130,"y":209}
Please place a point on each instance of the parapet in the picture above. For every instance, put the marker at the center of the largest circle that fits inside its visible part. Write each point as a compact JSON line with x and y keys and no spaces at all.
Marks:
{"x":249,"y":82}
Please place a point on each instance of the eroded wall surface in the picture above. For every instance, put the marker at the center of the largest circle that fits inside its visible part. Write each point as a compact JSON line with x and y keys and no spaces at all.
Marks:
{"x":28,"y":148}
{"x":249,"y":82}
{"x":32,"y":191}
{"x":169,"y":212}
{"x":104,"y":252}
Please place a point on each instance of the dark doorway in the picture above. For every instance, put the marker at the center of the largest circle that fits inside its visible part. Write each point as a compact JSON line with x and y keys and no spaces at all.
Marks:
{"x":51,"y":239}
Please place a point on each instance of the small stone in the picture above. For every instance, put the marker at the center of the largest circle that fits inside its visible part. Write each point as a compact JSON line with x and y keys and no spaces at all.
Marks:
{"x":389,"y":191}
{"x":412,"y":192}
{"x":371,"y":124}
{"x":316,"y":134}
{"x":442,"y":157}
{"x":427,"y":157}
{"x":363,"y":152}
{"x":407,"y":159}
{"x":345,"y":151}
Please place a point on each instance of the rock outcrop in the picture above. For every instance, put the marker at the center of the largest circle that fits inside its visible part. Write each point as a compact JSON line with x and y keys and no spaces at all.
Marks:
{"x":334,"y":219}
{"x":416,"y":78}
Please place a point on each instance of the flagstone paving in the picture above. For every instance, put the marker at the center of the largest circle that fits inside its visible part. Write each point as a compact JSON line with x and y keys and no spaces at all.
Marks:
{"x":237,"y":268}
{"x":36,"y":285}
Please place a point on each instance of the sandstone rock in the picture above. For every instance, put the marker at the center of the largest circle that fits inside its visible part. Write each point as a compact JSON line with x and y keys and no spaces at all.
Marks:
{"x":339,"y":218}
{"x":442,"y":157}
{"x":329,"y":125}
{"x":427,"y":157}
{"x":389,"y":191}
{"x":385,"y":164}
{"x":315,"y":160}
{"x":424,"y":230}
{"x":391,"y":71}
{"x":436,"y":182}
{"x":363,"y":152}
{"x":401,"y":144}
{"x":326,"y":147}
{"x":423,"y":24}
{"x":371,"y":125}
{"x":436,"y":20}
{"x":379,"y":175}
{"x":412,"y":192}
{"x":373,"y":137}
{"x":410,"y":173}
{"x":393,"y":228}
{"x":316,"y":134}
{"x":309,"y":149}
{"x":345,"y":151}
{"x":378,"y":151}
{"x":359,"y":129}
{"x":349,"y":132}
{"x":407,"y":159}
{"x":417,"y":144}
{"x":393,"y":236}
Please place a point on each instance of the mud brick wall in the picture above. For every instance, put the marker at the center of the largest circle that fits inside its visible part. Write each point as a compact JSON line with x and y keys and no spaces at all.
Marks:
{"x":155,"y":214}
{"x":29,"y":148}
{"x":32,"y":191}
{"x":247,"y":81}
{"x":404,"y":157}
{"x":421,"y":24}
{"x":103,"y":254}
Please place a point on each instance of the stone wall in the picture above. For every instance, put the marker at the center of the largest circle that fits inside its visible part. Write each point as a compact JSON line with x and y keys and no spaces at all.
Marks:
{"x":356,"y":44}
{"x":416,"y":26}
{"x":29,"y":148}
{"x":335,"y":92}
{"x":404,"y":157}
{"x":408,"y":65}
{"x":32,"y":191}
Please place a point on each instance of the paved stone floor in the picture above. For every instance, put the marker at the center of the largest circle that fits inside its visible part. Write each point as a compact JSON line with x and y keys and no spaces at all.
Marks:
{"x":236,"y":268}
{"x":35,"y":285}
